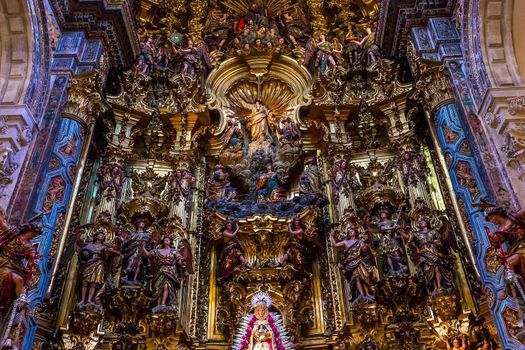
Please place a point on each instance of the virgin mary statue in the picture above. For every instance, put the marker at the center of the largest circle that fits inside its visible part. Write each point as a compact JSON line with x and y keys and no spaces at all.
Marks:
{"x":262,"y":337}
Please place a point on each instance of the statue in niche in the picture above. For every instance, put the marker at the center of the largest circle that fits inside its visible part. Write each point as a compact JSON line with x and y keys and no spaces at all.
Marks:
{"x":389,"y":248}
{"x":93,"y":257}
{"x":510,"y":229}
{"x":232,"y":253}
{"x":168,"y":265}
{"x":180,"y":182}
{"x":345,"y":180}
{"x":269,"y":185}
{"x":357,"y":266}
{"x":295,"y":249}
{"x":262,"y":329}
{"x":134,"y":266}
{"x":350,"y":46}
{"x":258,"y":123}
{"x":110,"y":179}
{"x":309,"y":181}
{"x":432,"y":258}
{"x":15,"y":249}
{"x":219,"y":186}
{"x":290,"y":137}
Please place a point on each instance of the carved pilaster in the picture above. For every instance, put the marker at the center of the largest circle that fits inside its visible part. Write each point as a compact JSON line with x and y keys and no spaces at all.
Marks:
{"x":112,"y":173}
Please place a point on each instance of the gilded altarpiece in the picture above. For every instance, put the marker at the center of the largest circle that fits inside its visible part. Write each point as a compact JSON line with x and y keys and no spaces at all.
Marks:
{"x":263,"y":178}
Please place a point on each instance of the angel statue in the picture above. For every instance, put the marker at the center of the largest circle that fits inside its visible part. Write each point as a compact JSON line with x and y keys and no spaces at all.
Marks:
{"x":15,"y":247}
{"x":389,"y":247}
{"x":168,"y":264}
{"x":93,"y":259}
{"x":357,"y":266}
{"x":432,"y":259}
{"x":295,"y":249}
{"x":232,"y":253}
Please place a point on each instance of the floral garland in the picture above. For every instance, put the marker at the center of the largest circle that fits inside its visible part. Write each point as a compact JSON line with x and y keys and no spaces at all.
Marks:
{"x":245,"y":343}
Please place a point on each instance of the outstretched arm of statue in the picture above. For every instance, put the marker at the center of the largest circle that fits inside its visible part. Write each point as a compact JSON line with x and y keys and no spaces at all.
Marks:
{"x":336,"y":244}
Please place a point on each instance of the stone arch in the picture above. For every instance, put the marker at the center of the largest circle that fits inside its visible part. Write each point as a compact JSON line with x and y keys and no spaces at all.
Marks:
{"x":500,"y":28}
{"x":16,"y":51}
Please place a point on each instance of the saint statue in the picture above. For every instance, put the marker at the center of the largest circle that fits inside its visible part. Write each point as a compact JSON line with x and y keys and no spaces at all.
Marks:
{"x":457,"y":343}
{"x":93,"y":260}
{"x":389,"y":247}
{"x":15,"y":247}
{"x":168,"y":264}
{"x":310,"y":178}
{"x":357,"y":266}
{"x":344,"y":182}
{"x":262,"y":329}
{"x":269,"y":185}
{"x":232,"y":253}
{"x":180,"y":182}
{"x":295,"y":249}
{"x":134,"y":265}
{"x":218,"y":186}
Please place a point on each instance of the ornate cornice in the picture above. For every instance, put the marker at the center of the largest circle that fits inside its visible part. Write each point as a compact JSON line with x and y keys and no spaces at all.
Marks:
{"x":397,"y":16}
{"x":109,"y":19}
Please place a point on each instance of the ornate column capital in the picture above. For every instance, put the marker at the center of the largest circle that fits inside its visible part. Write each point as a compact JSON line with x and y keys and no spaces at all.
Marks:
{"x":84,"y":99}
{"x":432,"y":86}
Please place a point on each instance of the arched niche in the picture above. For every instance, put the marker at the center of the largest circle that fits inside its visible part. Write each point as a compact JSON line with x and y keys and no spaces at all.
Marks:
{"x":16,"y":51}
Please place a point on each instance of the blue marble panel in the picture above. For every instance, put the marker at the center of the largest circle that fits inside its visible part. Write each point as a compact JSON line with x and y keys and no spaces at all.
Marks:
{"x":422,"y":39}
{"x":92,"y":52}
{"x":469,"y":188}
{"x":443,"y":29}
{"x":53,"y":198}
{"x":71,"y":43}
